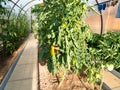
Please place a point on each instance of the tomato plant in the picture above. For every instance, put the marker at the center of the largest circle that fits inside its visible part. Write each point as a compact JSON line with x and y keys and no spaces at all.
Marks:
{"x":64,"y":36}
{"x":110,"y":48}
{"x":13,"y":32}
{"x":107,"y":48}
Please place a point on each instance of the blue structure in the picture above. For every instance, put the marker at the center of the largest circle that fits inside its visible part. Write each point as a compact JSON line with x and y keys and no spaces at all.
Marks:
{"x":118,"y":12}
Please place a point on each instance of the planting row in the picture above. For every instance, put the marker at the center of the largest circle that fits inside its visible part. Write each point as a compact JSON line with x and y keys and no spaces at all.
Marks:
{"x":69,"y":45}
{"x":12,"y":30}
{"x":106,"y":47}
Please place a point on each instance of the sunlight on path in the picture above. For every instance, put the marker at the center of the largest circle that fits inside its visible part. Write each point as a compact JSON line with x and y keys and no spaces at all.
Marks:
{"x":25,"y":74}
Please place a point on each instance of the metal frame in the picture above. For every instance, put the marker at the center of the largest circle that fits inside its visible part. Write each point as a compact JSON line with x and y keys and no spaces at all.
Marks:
{"x":24,"y":7}
{"x":101,"y":16}
{"x":21,"y":8}
{"x":15,"y":4}
{"x":12,"y":8}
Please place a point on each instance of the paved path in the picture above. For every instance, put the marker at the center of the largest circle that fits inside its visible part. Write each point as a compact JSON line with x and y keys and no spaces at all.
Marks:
{"x":25,"y":74}
{"x":111,"y":80}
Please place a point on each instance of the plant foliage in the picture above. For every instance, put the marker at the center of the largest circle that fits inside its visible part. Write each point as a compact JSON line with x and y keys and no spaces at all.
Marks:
{"x":64,"y":36}
{"x":107,"y":47}
{"x":13,"y":32}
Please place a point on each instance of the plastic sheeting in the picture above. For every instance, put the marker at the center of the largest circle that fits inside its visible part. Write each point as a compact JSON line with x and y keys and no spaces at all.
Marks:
{"x":110,"y":22}
{"x":23,"y":6}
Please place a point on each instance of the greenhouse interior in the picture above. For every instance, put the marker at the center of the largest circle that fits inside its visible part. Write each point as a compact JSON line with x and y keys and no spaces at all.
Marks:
{"x":59,"y":45}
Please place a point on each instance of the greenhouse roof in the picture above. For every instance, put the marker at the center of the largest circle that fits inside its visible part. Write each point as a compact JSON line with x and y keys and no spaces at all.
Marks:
{"x":26,"y":4}
{"x":22,"y":4}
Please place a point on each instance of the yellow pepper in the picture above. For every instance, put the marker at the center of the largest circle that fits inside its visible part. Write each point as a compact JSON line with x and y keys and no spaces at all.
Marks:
{"x":53,"y":50}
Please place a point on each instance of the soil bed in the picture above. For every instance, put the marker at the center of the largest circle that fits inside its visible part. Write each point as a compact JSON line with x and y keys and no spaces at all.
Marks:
{"x":47,"y":81}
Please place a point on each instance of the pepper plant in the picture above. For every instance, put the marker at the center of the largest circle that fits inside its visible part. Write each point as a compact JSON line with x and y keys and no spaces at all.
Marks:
{"x":107,"y":48}
{"x":13,"y":33}
{"x":63,"y":36}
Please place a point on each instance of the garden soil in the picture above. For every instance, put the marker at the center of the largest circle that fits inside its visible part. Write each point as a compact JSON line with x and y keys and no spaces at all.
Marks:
{"x":47,"y":81}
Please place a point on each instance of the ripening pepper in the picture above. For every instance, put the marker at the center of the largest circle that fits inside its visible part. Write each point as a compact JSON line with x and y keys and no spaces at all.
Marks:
{"x":54,"y":50}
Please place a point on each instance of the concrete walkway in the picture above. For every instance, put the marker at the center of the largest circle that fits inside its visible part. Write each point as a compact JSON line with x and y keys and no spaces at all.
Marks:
{"x":111,"y":81}
{"x":25,"y":74}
